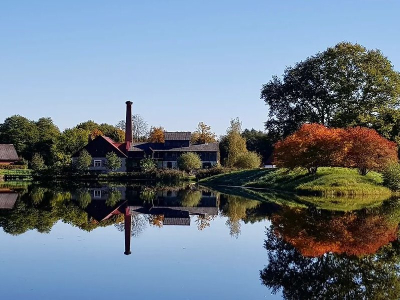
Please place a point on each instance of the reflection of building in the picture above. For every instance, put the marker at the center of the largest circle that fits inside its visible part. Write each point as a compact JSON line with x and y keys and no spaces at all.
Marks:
{"x":167,"y":204}
{"x":7,"y":198}
{"x":130,"y":153}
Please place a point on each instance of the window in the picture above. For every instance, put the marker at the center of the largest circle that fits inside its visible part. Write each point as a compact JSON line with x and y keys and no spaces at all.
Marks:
{"x":97,"y":163}
{"x":97,"y":193}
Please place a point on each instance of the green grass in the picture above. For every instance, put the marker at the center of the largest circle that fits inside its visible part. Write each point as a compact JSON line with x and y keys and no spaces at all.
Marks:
{"x":326,"y":182}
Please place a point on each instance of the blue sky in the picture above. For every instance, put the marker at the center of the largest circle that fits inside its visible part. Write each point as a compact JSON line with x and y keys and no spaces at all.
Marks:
{"x":180,"y":62}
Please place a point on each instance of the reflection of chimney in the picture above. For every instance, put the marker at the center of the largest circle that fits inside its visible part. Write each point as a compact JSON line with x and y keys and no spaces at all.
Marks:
{"x":128,"y":229}
{"x":128,"y":124}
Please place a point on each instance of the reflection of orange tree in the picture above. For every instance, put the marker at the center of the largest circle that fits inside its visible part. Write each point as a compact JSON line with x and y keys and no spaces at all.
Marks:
{"x":156,"y":220}
{"x":235,"y":208}
{"x":315,"y":233}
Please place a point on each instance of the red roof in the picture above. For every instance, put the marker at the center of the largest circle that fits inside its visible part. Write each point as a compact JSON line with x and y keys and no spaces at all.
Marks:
{"x":116,"y":145}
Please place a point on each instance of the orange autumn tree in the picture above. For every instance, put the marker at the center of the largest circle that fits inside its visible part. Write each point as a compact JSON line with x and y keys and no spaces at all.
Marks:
{"x":366,"y":150}
{"x":310,"y":147}
{"x":156,"y":135}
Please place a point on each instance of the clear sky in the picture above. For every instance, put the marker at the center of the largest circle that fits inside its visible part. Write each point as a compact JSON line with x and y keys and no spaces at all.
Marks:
{"x":180,"y":62}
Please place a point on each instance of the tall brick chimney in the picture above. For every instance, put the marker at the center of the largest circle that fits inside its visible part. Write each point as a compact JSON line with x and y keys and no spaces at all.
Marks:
{"x":128,"y":125}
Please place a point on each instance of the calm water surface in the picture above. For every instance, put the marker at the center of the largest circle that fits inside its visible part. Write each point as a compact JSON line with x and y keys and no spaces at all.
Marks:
{"x":108,"y":242}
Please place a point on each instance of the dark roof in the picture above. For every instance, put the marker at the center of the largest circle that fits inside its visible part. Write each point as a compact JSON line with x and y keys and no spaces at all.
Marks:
{"x":177,"y":136}
{"x":8,"y":153}
{"x":7,"y":200}
{"x":192,"y":148}
{"x":114,"y":144}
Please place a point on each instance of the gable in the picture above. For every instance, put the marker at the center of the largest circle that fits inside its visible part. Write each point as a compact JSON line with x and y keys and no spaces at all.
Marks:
{"x":100,"y":146}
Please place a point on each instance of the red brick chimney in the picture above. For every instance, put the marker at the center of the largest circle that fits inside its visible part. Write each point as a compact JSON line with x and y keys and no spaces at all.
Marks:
{"x":128,"y":230}
{"x":128,"y":125}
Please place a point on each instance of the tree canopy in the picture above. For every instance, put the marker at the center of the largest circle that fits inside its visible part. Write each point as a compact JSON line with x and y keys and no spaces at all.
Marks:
{"x":203,"y":134}
{"x":345,"y":85}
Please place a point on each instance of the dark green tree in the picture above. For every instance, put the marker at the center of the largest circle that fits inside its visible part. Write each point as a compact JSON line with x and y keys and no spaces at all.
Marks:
{"x":83,"y":161}
{"x":48,"y":134}
{"x":345,"y":85}
{"x":259,"y":142}
{"x":20,"y":132}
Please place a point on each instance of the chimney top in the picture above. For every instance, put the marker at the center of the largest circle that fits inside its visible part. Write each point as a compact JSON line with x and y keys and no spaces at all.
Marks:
{"x":129,"y":102}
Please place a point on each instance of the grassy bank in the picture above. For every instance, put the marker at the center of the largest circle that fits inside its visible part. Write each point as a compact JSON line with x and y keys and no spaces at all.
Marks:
{"x":326,"y":182}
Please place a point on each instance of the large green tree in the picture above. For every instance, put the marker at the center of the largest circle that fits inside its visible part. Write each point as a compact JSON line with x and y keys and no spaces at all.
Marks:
{"x":20,"y":132}
{"x":345,"y":85}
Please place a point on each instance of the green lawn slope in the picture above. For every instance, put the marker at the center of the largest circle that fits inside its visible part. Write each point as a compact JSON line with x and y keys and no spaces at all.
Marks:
{"x":326,"y":182}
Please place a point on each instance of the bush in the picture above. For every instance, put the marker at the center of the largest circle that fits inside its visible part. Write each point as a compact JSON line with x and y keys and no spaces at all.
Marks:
{"x":113,"y":161}
{"x":189,"y":161}
{"x":147,"y":164}
{"x":391,"y":176}
{"x":249,"y":160}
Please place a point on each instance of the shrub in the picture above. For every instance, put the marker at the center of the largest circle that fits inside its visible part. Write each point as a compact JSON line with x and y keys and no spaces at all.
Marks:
{"x":147,"y":164}
{"x":189,"y":161}
{"x":249,"y":160}
{"x":391,"y":176}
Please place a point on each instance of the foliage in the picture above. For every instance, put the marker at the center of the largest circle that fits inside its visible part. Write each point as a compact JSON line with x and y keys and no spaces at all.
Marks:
{"x":203,"y":135}
{"x":95,"y":133}
{"x":113,"y":162}
{"x":37,"y":162}
{"x":259,"y":142}
{"x":346,"y":85}
{"x":84,"y":198}
{"x":48,"y":134}
{"x":236,"y":144}
{"x":391,"y":176}
{"x":315,"y":145}
{"x":190,"y":198}
{"x":156,"y":135}
{"x":367,"y":150}
{"x":140,"y":128}
{"x":147,"y":164}
{"x":249,"y":160}
{"x":189,"y":161}
{"x":20,"y":132}
{"x":113,"y":197}
{"x":374,"y":276}
{"x":83,"y":161}
{"x":310,"y":147}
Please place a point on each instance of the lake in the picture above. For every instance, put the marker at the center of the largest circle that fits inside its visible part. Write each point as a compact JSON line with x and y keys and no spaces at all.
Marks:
{"x":150,"y":242}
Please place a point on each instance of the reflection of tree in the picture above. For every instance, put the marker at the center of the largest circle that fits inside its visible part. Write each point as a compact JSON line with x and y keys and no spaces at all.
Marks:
{"x":148,"y":194}
{"x":83,"y":197}
{"x":235,"y":208}
{"x":331,"y":276}
{"x":190,"y":198}
{"x":156,"y":220}
{"x":113,"y":197}
{"x":41,"y":208}
{"x":203,"y":221}
{"x":314,"y":233}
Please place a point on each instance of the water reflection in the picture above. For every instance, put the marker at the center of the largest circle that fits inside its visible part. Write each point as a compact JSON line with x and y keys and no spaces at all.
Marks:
{"x":319,"y":255}
{"x":312,"y":253}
